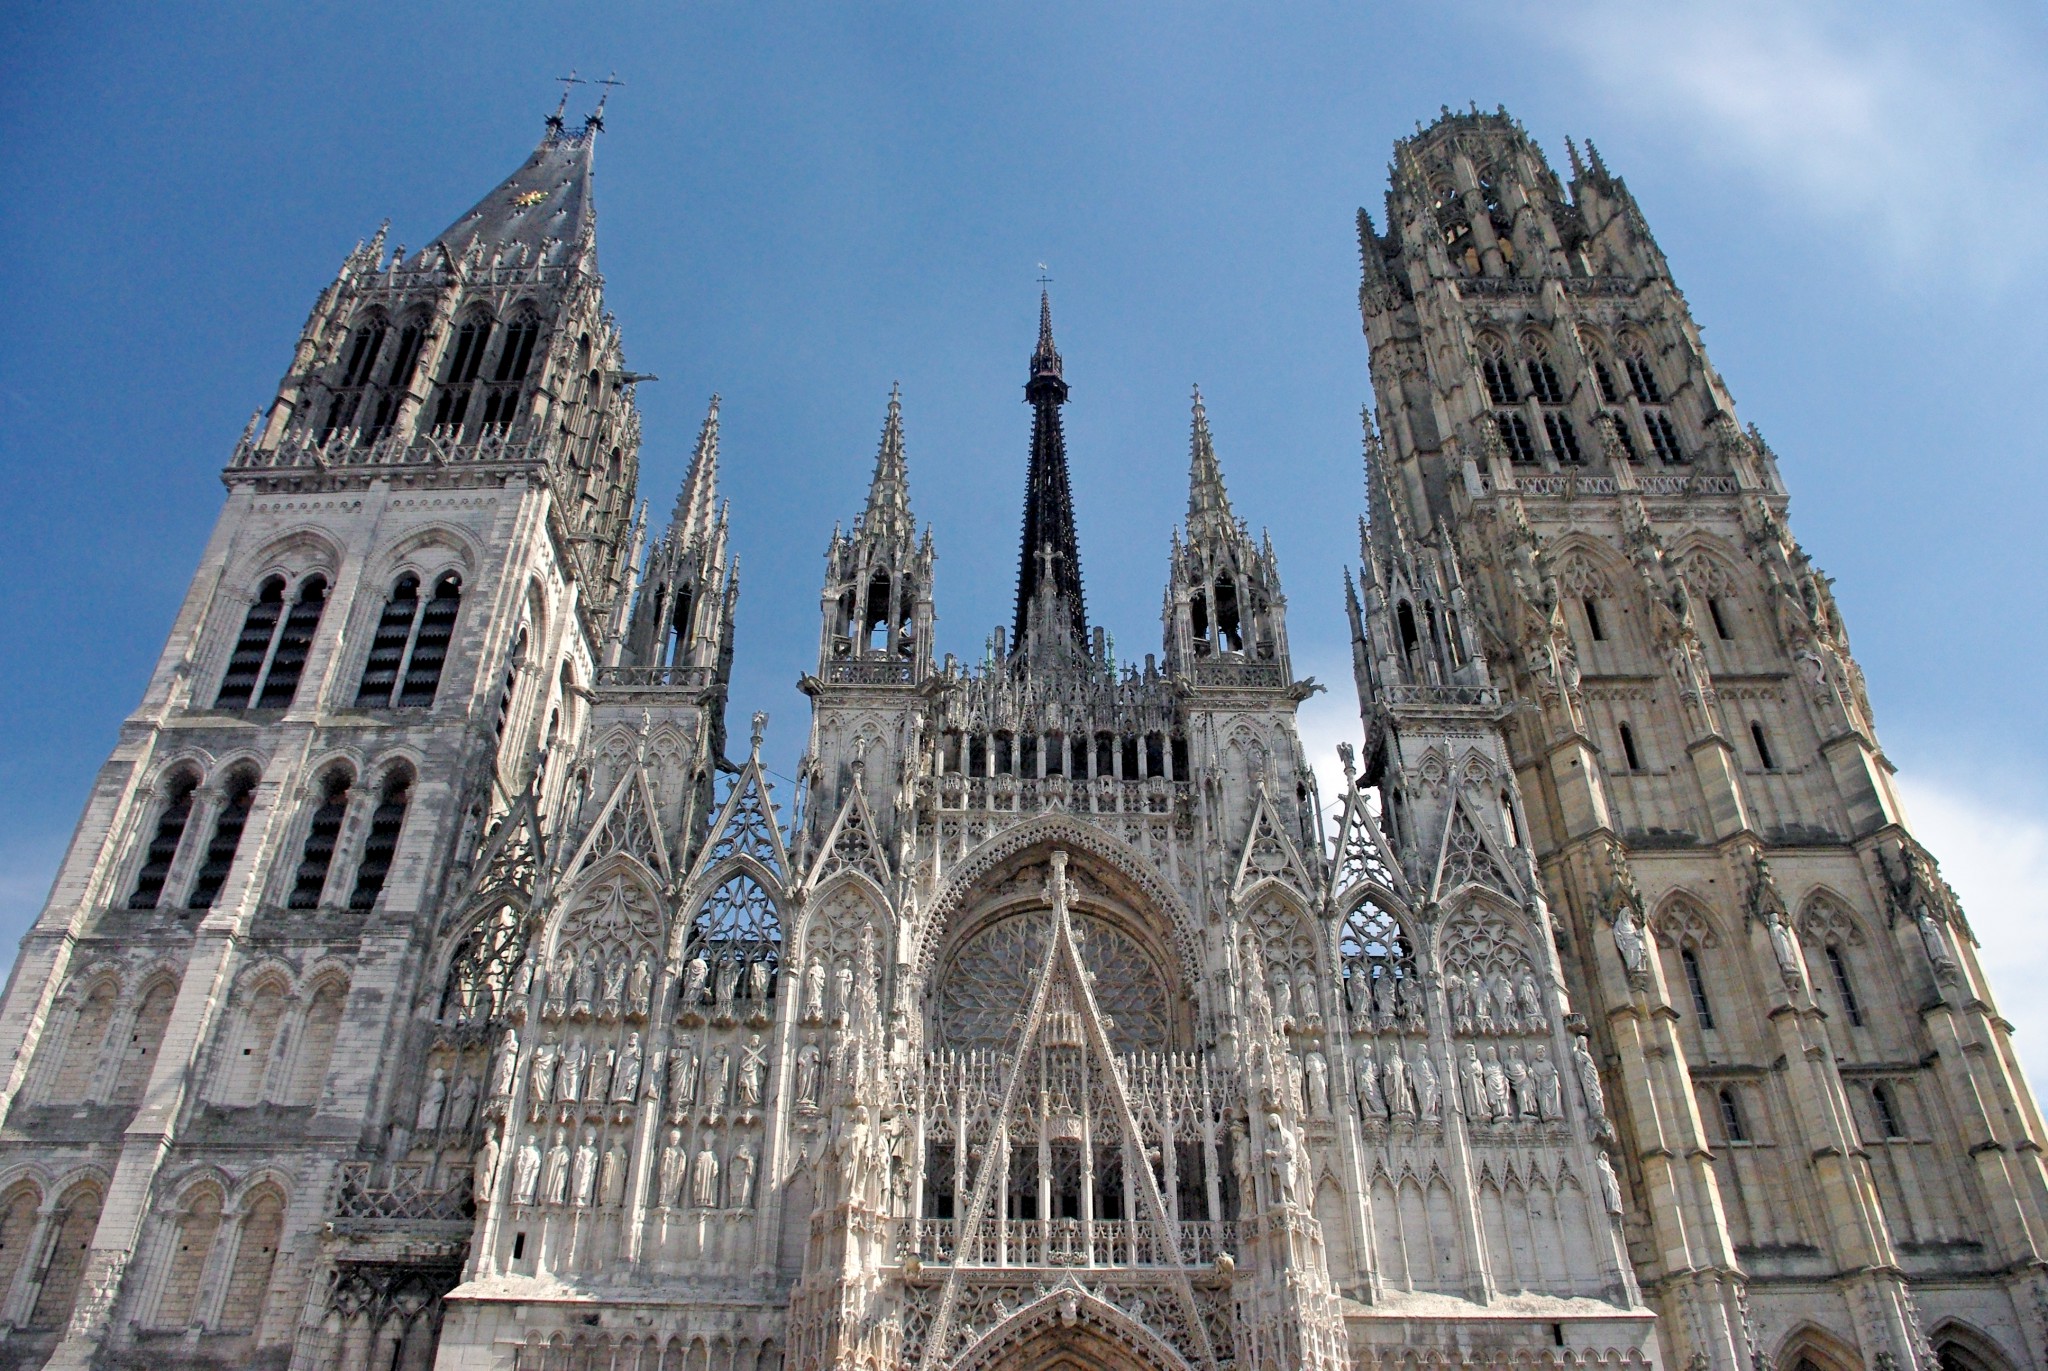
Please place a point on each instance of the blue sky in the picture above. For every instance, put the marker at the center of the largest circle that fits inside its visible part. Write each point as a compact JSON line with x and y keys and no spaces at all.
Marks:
{"x":799,"y":205}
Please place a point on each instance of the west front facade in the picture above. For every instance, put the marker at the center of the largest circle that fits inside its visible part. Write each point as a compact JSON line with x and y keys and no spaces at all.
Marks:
{"x":435,"y":981}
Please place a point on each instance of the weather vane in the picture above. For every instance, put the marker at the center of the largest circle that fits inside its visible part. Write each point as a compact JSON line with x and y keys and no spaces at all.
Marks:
{"x":1044,"y":276}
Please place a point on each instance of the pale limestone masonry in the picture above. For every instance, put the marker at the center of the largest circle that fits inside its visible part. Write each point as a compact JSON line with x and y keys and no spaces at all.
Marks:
{"x":429,"y":983}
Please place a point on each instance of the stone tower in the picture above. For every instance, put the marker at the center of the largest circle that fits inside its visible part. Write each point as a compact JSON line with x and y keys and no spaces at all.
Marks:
{"x":1824,"y":1140}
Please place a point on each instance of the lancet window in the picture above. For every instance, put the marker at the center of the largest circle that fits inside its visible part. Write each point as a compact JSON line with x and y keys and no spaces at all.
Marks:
{"x":458,"y":377}
{"x":735,"y":946}
{"x":1498,"y":370}
{"x":1382,"y":992}
{"x":480,"y":974}
{"x":359,"y":364}
{"x":1514,"y":432}
{"x":227,"y":837}
{"x":381,"y":842}
{"x":1664,"y":436}
{"x":515,"y":355}
{"x":164,"y":841}
{"x":270,"y":652}
{"x":410,"y":645}
{"x":323,"y":831}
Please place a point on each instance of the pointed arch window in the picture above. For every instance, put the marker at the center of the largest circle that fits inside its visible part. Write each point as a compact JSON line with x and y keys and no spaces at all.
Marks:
{"x":270,"y":652}
{"x":737,"y":929}
{"x":1603,"y":376}
{"x":164,"y":842}
{"x":1664,"y":436}
{"x":515,"y":355}
{"x":458,"y":378}
{"x":1380,"y":985}
{"x":322,"y":834}
{"x":1732,"y":1123}
{"x":410,"y":645}
{"x":1543,"y":382}
{"x":480,"y":973}
{"x":1564,"y":439}
{"x":1642,"y":375}
{"x":405,"y":360}
{"x":227,"y":837}
{"x":359,"y":362}
{"x":1514,"y":431}
{"x":381,"y":843}
{"x":1696,"y":983}
{"x":1498,"y":371}
{"x":1838,"y":968}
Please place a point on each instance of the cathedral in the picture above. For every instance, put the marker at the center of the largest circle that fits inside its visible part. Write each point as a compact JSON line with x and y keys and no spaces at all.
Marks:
{"x":436,"y":978}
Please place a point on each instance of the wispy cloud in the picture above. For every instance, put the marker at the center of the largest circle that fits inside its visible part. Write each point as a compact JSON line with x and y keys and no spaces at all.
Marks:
{"x":1913,"y":129}
{"x":1995,"y":853}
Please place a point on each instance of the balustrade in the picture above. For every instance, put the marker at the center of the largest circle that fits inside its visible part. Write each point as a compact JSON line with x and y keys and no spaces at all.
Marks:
{"x":1066,"y":1243}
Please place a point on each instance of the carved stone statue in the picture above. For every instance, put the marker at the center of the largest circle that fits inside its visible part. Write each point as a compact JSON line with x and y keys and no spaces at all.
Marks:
{"x":1548,"y":1086}
{"x":1427,"y":1087}
{"x":1394,"y":1079}
{"x":584,"y":1185}
{"x":569,"y":1076}
{"x":1461,"y":1002}
{"x":814,"y":992}
{"x":1589,"y":1087}
{"x":807,"y":1075}
{"x":1369,"y":1084}
{"x":640,"y":988}
{"x":696,"y":976}
{"x":611,"y":1175}
{"x":752,"y":1068}
{"x":588,"y":973}
{"x":1318,"y":1085}
{"x":555,"y":1180}
{"x":461,"y":1111}
{"x":1311,"y":1007}
{"x":1610,"y":1185}
{"x":615,"y":973}
{"x":559,"y":985}
{"x":842,"y":1006}
{"x":1498,"y":1102}
{"x":1628,"y":941}
{"x":717,"y":1078}
{"x":728,"y":986}
{"x":740,"y":1184}
{"x":757,"y":984}
{"x":484,"y":1169}
{"x":1937,"y":950}
{"x":1531,"y":1000}
{"x":1519,"y":1091}
{"x":673,"y":1163}
{"x":597,"y":1089}
{"x":1781,"y":947}
{"x":682,"y":1080}
{"x":526,"y":1172}
{"x":704,"y":1179}
{"x":1478,"y":1104}
{"x":428,"y":1120}
{"x":626,"y":1075}
{"x":1279,"y":1159}
{"x":505,"y":1066}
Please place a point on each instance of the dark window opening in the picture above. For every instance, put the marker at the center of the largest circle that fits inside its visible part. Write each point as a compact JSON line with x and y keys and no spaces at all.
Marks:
{"x":1720,"y":622}
{"x":321,"y":836}
{"x":1605,"y":377}
{"x":1643,"y":379}
{"x":1593,"y":624}
{"x":1622,"y":435}
{"x":1564,"y":439}
{"x":387,"y":645}
{"x":382,"y":842}
{"x":1514,"y":431}
{"x":1697,"y":984}
{"x":220,"y":850}
{"x":1731,"y":1118}
{"x":163,"y":844}
{"x":1664,"y":437}
{"x":1628,"y":749}
{"x":518,"y":1246}
{"x":1887,"y":1114}
{"x":288,"y":659}
{"x":1543,"y":381}
{"x":977,"y":756}
{"x":1840,"y":970}
{"x":951,"y":750}
{"x":1055,"y":754}
{"x":1198,"y":619}
{"x":1105,"y":755}
{"x":1005,"y":765}
{"x":1500,"y":379}
{"x":516,"y":353}
{"x":1763,"y":748}
{"x":1078,"y":747}
{"x":430,"y":645}
{"x":1155,"y":754}
{"x":1130,"y":758}
{"x":1229,"y":632}
{"x":1180,"y":758}
{"x":1027,"y":755}
{"x":252,"y":647}
{"x":1404,"y":618}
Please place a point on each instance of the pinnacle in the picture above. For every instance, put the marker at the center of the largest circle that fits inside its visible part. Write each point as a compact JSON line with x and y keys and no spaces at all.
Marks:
{"x":888,"y":513}
{"x":696,"y":505}
{"x":1208,"y":502}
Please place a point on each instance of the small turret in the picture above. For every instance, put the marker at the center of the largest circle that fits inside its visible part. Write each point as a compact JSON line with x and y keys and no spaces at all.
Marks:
{"x":877,"y":604}
{"x":1224,"y":608}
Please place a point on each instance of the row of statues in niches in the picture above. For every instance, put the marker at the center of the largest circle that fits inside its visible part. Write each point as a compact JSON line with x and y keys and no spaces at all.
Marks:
{"x":724,"y":989}
{"x":595,"y":1074}
{"x":1498,"y":1085}
{"x":567,"y":1167}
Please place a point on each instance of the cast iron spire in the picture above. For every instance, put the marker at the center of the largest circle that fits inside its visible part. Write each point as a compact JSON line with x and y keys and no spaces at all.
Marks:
{"x":1049,"y":564}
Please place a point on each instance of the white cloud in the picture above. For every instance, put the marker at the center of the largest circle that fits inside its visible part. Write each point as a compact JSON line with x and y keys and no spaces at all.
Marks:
{"x":1916,"y":130}
{"x":1996,"y":857}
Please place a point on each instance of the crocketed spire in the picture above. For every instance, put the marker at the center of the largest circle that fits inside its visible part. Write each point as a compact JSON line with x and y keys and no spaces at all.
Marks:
{"x":888,"y":513}
{"x":1208,"y":501}
{"x":1049,"y":596}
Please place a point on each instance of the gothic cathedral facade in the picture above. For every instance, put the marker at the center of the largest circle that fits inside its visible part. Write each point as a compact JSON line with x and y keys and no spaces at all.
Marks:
{"x":432,"y":981}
